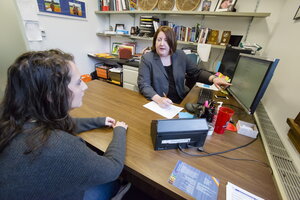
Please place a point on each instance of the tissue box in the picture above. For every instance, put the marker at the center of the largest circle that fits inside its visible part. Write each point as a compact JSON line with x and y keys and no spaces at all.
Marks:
{"x":247,"y":129}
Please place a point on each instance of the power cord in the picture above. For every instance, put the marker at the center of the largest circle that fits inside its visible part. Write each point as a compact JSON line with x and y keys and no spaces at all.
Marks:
{"x":244,"y":159}
{"x":216,"y":153}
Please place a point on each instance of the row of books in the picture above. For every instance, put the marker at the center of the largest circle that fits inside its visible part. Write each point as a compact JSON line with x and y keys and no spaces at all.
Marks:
{"x":117,"y":5}
{"x":148,"y":25}
{"x":192,"y":34}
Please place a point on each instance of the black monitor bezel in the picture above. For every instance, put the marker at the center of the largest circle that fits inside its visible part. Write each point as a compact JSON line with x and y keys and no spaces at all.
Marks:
{"x":230,"y":58}
{"x":263,"y":85}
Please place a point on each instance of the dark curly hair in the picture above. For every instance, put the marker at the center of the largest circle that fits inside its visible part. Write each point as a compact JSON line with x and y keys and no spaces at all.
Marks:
{"x":36,"y":92}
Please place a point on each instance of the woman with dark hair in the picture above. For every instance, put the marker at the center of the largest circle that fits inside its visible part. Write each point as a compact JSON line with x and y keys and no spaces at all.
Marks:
{"x":162,"y":71}
{"x":41,"y":157}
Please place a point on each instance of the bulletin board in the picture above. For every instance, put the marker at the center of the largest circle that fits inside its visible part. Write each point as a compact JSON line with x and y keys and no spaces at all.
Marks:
{"x":71,"y":8}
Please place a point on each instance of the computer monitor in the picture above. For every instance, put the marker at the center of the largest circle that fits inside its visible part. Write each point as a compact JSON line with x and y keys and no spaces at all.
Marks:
{"x":229,"y":60}
{"x":251,"y":79}
{"x":235,"y":40}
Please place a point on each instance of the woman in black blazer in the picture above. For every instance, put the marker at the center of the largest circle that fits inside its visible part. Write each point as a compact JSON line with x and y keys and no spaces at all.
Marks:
{"x":162,"y":71}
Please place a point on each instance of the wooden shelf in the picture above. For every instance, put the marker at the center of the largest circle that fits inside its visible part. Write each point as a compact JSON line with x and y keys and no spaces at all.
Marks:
{"x":204,"y":13}
{"x":150,"y":39}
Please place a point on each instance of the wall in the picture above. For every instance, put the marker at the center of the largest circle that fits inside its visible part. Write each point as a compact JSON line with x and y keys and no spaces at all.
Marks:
{"x":282,"y":96}
{"x":73,"y":35}
{"x":12,"y":41}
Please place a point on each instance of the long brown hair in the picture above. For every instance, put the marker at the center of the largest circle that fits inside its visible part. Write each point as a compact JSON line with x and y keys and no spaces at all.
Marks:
{"x":37,"y":92}
{"x":171,"y":38}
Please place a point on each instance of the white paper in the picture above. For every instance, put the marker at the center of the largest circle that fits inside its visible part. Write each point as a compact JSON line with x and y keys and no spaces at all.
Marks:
{"x":168,"y":113}
{"x":203,"y":51}
{"x":234,"y":192}
{"x":33,"y":31}
{"x":28,"y":9}
{"x":210,"y":87}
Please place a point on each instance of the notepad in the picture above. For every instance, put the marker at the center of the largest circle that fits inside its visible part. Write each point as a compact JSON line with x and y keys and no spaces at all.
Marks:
{"x":168,"y":112}
{"x":234,"y":192}
{"x":210,"y":87}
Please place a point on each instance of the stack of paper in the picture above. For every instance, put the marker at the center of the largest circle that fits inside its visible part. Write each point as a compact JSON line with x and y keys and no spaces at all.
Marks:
{"x":234,"y":192}
{"x":168,"y":112}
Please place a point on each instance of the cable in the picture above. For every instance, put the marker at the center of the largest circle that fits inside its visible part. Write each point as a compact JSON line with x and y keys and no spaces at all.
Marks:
{"x":243,"y":159}
{"x":216,"y":153}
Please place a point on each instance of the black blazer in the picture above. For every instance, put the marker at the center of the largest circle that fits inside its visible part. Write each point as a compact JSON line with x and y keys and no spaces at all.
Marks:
{"x":153,"y":78}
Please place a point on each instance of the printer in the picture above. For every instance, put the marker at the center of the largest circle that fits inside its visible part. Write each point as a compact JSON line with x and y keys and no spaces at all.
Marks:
{"x":169,"y":133}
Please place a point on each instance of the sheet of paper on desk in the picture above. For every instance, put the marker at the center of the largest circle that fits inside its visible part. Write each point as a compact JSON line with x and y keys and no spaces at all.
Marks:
{"x":210,"y":87}
{"x":234,"y":192}
{"x":168,"y":113}
{"x":194,"y":182}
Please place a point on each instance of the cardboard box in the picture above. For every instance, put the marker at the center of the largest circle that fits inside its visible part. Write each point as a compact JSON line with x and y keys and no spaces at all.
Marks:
{"x":247,"y":129}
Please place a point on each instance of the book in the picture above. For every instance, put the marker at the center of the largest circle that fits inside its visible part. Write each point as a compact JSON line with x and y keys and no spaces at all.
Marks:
{"x":194,"y":182}
{"x":133,"y":4}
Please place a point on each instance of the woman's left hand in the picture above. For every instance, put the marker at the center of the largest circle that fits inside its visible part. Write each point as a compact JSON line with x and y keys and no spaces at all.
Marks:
{"x":221,"y":83}
{"x":109,"y":121}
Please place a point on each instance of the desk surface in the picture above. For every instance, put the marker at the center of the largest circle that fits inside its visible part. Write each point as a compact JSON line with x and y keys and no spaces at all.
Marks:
{"x":155,"y":167}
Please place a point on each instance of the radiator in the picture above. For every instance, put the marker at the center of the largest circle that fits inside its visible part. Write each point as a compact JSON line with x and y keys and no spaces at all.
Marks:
{"x":286,"y":176}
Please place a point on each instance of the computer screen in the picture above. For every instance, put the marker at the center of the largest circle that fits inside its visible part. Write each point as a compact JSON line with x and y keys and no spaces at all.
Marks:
{"x":229,"y":60}
{"x":251,"y":79}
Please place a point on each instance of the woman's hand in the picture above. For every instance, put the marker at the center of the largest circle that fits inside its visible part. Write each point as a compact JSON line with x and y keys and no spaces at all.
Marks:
{"x":122,"y":124}
{"x":109,"y":121}
{"x":163,"y":102}
{"x":220,"y":83}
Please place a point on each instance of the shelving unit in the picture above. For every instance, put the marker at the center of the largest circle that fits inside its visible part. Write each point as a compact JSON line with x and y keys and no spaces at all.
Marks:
{"x":204,"y":13}
{"x":195,"y":13}
{"x":150,"y":39}
{"x":130,"y":75}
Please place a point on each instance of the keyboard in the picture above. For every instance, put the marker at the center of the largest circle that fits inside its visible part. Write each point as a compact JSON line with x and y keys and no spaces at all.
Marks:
{"x":204,"y":95}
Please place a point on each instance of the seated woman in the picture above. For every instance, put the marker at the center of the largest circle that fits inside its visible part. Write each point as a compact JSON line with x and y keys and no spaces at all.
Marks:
{"x":41,"y":157}
{"x":162,"y":71}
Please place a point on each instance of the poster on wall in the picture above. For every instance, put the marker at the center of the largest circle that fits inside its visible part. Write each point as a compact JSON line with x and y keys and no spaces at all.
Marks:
{"x":71,"y":8}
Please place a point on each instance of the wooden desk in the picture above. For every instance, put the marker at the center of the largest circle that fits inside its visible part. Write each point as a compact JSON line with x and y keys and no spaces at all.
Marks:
{"x":155,"y":167}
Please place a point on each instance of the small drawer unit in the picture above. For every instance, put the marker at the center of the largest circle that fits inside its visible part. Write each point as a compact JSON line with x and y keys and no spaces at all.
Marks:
{"x":130,"y":75}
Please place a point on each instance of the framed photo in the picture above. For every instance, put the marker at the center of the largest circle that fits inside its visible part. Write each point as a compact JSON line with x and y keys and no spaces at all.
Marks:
{"x":297,"y":15}
{"x":206,"y":5}
{"x":225,"y":5}
{"x":66,"y":8}
{"x":115,"y":48}
{"x":119,"y":27}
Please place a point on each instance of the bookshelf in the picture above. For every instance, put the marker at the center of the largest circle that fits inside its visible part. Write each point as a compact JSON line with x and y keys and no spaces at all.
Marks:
{"x":150,"y":39}
{"x":204,"y":13}
{"x":250,"y":15}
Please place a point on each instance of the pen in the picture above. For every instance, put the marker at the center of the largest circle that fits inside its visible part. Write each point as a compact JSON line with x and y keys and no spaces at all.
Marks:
{"x":165,"y":95}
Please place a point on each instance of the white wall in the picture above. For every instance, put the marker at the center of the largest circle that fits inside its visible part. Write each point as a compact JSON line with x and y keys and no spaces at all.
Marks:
{"x":282,"y":98}
{"x":12,"y":40}
{"x":74,"y":36}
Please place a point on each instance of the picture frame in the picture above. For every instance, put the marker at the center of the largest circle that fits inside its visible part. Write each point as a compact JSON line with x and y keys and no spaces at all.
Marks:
{"x":119,"y":27}
{"x":115,"y":48}
{"x":225,"y":5}
{"x":297,"y":15}
{"x":206,"y":5}
{"x":66,"y":8}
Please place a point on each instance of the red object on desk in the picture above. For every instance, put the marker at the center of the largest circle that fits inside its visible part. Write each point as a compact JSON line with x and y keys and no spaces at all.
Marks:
{"x":223,"y":118}
{"x":231,"y":127}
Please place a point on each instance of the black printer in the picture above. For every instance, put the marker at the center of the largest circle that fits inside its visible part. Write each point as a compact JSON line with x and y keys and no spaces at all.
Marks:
{"x":169,"y":133}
